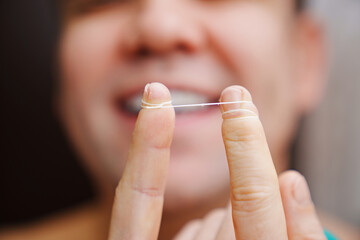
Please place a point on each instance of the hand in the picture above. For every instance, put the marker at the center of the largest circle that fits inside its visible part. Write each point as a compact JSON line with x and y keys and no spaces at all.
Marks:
{"x":261,"y":208}
{"x":139,"y":195}
{"x":301,"y":219}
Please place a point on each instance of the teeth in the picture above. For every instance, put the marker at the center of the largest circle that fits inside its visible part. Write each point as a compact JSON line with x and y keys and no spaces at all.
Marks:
{"x":183,"y":97}
{"x":133,"y":104}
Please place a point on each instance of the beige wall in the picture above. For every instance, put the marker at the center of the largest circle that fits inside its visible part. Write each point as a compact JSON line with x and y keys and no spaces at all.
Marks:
{"x":330,"y":143}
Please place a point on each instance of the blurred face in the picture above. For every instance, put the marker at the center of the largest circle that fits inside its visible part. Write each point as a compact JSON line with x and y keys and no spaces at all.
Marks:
{"x":196,"y":48}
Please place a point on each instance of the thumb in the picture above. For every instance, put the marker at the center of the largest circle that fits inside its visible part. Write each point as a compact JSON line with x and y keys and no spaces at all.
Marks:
{"x":302,"y":221}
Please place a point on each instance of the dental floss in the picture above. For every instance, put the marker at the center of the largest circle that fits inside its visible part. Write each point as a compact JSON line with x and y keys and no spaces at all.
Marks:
{"x":155,"y":105}
{"x":239,"y":110}
{"x":167,"y":105}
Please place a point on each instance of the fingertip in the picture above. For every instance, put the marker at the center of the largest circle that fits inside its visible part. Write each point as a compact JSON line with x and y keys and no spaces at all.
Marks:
{"x":288,"y":178}
{"x":156,"y":117}
{"x":254,"y":182}
{"x":235,"y":91}
{"x":301,"y":192}
{"x":294,"y":185}
{"x":300,"y":213}
{"x":241,"y":103}
{"x":156,"y":93}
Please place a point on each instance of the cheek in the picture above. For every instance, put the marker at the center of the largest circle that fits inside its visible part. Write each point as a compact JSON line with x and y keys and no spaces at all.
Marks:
{"x":89,"y":50}
{"x":88,"y":56}
{"x":254,"y":43}
{"x":250,"y":39}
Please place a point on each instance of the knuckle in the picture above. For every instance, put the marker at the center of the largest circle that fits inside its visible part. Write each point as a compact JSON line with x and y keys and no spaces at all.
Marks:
{"x":153,"y":192}
{"x":192,"y":224}
{"x":243,"y":130}
{"x":215,"y":214}
{"x":189,"y":229}
{"x":287,"y":179}
{"x":148,"y":191}
{"x":310,"y":236}
{"x":251,"y":198}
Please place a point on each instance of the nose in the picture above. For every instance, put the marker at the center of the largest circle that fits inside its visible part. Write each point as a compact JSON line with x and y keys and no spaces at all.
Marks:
{"x":159,"y":27}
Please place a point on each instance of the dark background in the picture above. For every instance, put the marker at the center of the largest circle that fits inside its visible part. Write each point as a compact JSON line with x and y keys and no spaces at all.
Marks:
{"x":39,"y":173}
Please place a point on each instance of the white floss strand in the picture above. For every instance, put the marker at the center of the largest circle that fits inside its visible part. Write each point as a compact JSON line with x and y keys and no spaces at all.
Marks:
{"x":239,"y":110}
{"x":242,"y":118}
{"x":155,"y":105}
{"x":167,"y":104}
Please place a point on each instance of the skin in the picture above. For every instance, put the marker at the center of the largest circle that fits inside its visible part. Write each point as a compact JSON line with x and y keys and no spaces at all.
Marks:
{"x":254,"y":183}
{"x":155,"y":176}
{"x":187,"y":47}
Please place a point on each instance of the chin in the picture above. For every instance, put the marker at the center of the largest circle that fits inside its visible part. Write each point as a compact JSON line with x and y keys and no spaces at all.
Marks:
{"x":195,"y":181}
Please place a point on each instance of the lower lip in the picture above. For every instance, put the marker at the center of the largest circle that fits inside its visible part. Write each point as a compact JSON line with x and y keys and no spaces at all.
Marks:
{"x":196,"y":117}
{"x":182,"y":119}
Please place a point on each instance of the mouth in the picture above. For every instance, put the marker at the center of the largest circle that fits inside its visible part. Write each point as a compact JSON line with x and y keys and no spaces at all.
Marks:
{"x":131,"y":105}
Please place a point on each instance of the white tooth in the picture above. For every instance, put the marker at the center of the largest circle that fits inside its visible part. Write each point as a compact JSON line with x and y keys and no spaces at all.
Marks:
{"x":181,"y":97}
{"x":178,"y":98}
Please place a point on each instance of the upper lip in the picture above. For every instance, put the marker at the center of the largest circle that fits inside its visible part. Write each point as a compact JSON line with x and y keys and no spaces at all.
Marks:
{"x":198,"y":74}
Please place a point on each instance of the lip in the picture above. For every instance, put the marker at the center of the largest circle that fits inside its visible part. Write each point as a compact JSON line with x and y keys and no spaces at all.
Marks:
{"x":123,"y":93}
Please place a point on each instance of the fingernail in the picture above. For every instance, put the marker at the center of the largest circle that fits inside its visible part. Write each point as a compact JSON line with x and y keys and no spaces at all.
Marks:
{"x":156,"y":93}
{"x":235,"y":94}
{"x":301,"y":191}
{"x":146,"y":91}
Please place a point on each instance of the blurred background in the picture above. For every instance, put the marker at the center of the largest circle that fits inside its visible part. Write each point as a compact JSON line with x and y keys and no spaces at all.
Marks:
{"x":39,"y":174}
{"x":328,"y":153}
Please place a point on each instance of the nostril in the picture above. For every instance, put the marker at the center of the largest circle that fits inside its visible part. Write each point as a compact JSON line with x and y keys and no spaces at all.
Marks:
{"x":183,"y":48}
{"x":186,"y":47}
{"x":143,"y":52}
{"x":146,"y":50}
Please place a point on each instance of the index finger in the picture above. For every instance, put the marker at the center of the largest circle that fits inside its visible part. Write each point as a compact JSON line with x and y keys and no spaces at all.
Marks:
{"x":255,"y":196}
{"x":139,"y":196}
